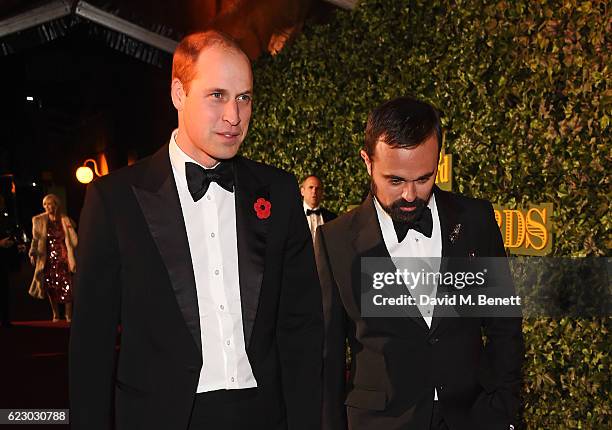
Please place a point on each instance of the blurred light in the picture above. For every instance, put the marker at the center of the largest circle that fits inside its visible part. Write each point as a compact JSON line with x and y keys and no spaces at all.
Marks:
{"x":103,"y":165}
{"x":30,"y":98}
{"x":33,"y":184}
{"x":84,"y":174}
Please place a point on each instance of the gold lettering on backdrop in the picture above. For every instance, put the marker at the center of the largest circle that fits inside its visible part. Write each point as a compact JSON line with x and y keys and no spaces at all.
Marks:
{"x":536,"y":229}
{"x":445,"y":172}
{"x":514,"y":235}
{"x":526,"y":231}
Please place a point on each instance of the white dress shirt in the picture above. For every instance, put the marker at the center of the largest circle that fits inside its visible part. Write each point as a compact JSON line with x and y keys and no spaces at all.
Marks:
{"x":211,"y":232}
{"x":314,"y":221}
{"x":415,"y":244}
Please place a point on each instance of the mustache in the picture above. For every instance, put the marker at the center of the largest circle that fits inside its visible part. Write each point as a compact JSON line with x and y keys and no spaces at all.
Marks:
{"x":404,"y":204}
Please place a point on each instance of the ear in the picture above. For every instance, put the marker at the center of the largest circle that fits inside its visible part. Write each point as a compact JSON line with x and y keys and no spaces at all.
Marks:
{"x":178,"y":94}
{"x":367,"y":161}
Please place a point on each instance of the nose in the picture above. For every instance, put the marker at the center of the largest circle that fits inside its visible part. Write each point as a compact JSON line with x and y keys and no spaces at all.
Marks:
{"x":409,"y":192}
{"x":231,"y":113}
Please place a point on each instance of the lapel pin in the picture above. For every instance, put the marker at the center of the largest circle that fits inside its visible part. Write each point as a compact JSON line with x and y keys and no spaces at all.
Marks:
{"x":262,"y":208}
{"x":455,"y":233}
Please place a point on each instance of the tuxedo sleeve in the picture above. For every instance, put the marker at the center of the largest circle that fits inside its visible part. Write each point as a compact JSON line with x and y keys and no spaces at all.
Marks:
{"x":96,"y":316}
{"x":504,"y":349}
{"x":300,"y":324}
{"x":334,"y":344}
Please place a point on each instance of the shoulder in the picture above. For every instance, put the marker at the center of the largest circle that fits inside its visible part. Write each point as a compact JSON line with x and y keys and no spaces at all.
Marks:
{"x":66,"y":218}
{"x":340,"y":225}
{"x":122,"y":176}
{"x":37,"y":219}
{"x":120,"y":181}
{"x":463,"y":203}
{"x":328,"y":215}
{"x":328,"y":212}
{"x":264,"y":170}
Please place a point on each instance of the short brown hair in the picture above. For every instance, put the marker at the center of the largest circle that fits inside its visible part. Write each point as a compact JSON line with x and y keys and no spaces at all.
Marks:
{"x":188,"y":51}
{"x":403,"y":122}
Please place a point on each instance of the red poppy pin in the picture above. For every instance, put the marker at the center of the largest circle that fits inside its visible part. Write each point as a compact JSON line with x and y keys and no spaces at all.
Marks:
{"x":262,"y":208}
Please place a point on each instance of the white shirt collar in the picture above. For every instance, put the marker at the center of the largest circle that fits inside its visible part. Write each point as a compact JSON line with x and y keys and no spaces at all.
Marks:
{"x":178,"y":158}
{"x":306,"y":206}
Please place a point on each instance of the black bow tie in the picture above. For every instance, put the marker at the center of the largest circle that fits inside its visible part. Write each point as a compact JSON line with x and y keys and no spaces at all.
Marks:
{"x":199,"y":178}
{"x":424,"y":225}
{"x":313,"y":212}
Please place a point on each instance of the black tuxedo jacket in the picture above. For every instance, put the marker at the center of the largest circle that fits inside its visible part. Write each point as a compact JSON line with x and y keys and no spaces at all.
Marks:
{"x":397,"y":362}
{"x":135,"y":271}
{"x":328,"y":215}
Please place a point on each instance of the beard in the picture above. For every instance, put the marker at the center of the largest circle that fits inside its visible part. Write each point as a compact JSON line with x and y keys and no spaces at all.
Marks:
{"x":395,"y":208}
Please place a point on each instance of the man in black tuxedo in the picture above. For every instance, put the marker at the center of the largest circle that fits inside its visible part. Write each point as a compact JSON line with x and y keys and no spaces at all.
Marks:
{"x":312,"y":195}
{"x":204,"y":259}
{"x":421,"y":371}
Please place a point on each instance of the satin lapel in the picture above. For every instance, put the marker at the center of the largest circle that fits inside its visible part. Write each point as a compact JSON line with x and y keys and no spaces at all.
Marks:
{"x":159,"y":201}
{"x":369,"y":242}
{"x":251,"y":233}
{"x":448,"y":212}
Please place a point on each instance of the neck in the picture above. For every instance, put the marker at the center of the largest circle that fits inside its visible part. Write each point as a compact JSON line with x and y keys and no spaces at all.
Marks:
{"x":182,"y":140}
{"x":52,"y":216}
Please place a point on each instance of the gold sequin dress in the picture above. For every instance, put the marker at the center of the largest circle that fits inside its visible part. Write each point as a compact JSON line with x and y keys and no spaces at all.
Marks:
{"x":57,"y":276}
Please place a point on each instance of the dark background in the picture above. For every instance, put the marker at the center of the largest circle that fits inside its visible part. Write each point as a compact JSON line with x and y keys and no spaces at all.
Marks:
{"x":88,"y":98}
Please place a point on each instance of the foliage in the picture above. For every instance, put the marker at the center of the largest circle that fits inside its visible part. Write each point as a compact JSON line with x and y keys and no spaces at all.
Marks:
{"x":523,"y":86}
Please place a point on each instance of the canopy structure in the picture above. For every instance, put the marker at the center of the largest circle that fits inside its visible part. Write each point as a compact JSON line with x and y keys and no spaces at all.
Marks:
{"x":90,"y":77}
{"x":148,"y":30}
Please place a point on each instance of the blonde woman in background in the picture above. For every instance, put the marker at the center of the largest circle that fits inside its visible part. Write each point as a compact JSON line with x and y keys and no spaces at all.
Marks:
{"x":54,"y":241}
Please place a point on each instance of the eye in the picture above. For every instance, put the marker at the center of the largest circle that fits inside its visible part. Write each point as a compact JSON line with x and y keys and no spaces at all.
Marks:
{"x":422,"y":180}
{"x":216,"y":95}
{"x":395,"y":181}
{"x":244,"y":98}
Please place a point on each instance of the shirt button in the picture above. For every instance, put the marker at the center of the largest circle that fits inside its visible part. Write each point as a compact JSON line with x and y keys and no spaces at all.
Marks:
{"x":417,"y":239}
{"x":221,"y":307}
{"x":212,"y":235}
{"x":228,"y":342}
{"x":216,"y":271}
{"x":208,"y":197}
{"x":233,"y":379}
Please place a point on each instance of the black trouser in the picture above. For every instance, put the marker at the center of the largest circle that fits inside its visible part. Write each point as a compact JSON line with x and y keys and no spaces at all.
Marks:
{"x":437,"y":422}
{"x":225,"y":409}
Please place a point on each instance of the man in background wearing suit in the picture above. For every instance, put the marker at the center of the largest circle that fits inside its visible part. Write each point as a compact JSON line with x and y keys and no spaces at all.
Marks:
{"x":312,"y":195}
{"x":205,"y":260}
{"x":424,"y":371}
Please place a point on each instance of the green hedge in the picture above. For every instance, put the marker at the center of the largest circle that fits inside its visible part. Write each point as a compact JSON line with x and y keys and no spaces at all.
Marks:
{"x":523,"y":86}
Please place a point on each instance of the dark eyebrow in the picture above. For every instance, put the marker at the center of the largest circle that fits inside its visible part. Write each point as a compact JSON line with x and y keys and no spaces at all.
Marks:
{"x":399,"y":178}
{"x":425,"y":176}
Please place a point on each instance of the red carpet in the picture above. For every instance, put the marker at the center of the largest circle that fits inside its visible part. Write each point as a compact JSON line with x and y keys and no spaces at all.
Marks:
{"x":33,"y":357}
